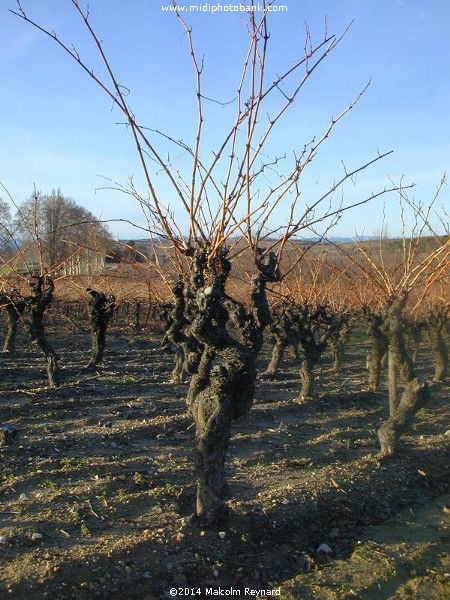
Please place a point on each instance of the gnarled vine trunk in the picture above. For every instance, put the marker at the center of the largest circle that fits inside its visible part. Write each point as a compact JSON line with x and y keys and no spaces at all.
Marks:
{"x":42,"y":295}
{"x":279,"y":346}
{"x":315,"y":328}
{"x":438,"y":323}
{"x":339,"y":339}
{"x":284,"y":334}
{"x":222,"y":388}
{"x":413,"y":337}
{"x":415,"y":393}
{"x":14,"y":305}
{"x":378,"y":348}
{"x":101,"y":310}
{"x":415,"y":396}
{"x":176,"y":318}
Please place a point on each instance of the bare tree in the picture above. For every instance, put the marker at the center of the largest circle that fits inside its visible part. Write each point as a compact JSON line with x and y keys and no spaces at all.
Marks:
{"x":5,"y":224}
{"x":60,"y":229}
{"x":229,"y":194}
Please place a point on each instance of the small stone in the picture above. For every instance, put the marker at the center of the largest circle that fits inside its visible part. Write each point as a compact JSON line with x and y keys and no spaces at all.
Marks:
{"x":36,"y":536}
{"x":3,"y":539}
{"x":307,"y":562}
{"x":222,"y":535}
{"x":447,"y":432}
{"x":23,"y":497}
{"x":7,"y":434}
{"x":215,"y":573}
{"x":325,"y":548}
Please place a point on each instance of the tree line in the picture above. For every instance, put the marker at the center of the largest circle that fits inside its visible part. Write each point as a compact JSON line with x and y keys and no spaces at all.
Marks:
{"x":52,"y":232}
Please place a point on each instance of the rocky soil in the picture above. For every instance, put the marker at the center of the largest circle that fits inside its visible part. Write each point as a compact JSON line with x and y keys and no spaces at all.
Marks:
{"x":97,"y":487}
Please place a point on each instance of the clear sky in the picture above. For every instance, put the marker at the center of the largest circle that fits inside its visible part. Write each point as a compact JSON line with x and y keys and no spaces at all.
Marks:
{"x":59,"y":130}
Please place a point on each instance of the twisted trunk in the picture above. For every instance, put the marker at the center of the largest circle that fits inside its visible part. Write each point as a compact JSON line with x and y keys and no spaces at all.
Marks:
{"x":279,"y":346}
{"x":14,"y":305}
{"x":187,"y":348}
{"x":414,"y":337}
{"x":101,"y":310}
{"x":415,"y":393}
{"x":378,"y":349}
{"x":339,"y":340}
{"x":41,"y":298}
{"x":223,"y":386}
{"x":441,"y":357}
{"x":315,"y":328}
{"x":307,"y":378}
{"x":437,"y":322}
{"x":415,"y":396}
{"x":222,"y":390}
{"x":285,"y":334}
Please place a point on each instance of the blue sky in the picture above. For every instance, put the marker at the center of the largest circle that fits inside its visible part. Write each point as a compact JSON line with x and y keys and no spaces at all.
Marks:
{"x":59,"y":130}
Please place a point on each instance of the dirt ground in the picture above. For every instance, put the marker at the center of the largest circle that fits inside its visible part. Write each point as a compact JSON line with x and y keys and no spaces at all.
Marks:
{"x":97,"y":488}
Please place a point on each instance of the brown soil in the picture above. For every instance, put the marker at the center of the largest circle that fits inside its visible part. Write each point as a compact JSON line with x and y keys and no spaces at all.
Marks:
{"x":406,"y":557}
{"x":101,"y":467}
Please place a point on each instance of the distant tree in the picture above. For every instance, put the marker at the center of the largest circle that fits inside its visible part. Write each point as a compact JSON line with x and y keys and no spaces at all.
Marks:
{"x":61,"y":228}
{"x":5,"y":223}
